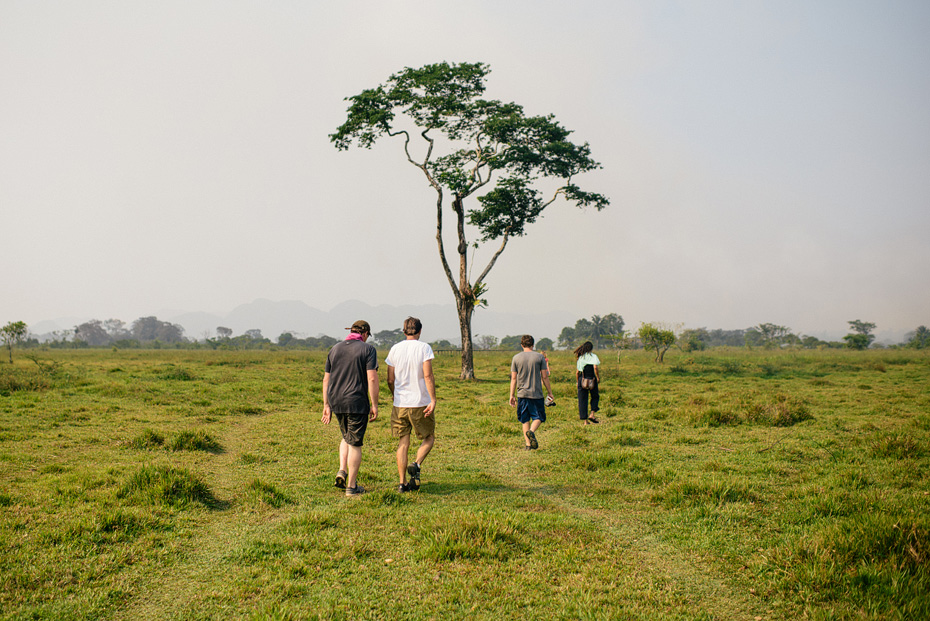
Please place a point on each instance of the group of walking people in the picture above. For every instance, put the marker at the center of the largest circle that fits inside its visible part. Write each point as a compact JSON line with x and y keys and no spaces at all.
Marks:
{"x":351,"y":386}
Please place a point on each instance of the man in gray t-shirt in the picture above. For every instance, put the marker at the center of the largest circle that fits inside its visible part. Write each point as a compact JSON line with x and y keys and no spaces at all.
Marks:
{"x":350,"y":391}
{"x":528,"y":374}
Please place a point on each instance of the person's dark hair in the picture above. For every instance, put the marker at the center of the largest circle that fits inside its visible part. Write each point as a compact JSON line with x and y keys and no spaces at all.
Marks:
{"x":527,"y":341}
{"x":412,"y":326}
{"x":583,"y":349}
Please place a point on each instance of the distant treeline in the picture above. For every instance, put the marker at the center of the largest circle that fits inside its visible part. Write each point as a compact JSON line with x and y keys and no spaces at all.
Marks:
{"x":605,"y":332}
{"x":152,"y":333}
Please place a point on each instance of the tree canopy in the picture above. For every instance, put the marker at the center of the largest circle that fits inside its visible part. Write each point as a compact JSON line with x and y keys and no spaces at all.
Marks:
{"x":600,"y":330}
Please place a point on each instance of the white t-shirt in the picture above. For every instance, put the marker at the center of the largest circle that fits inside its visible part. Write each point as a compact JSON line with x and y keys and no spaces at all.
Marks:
{"x":407,"y":358}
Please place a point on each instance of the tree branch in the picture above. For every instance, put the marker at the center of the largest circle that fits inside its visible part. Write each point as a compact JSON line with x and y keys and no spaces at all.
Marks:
{"x":493,"y":260}
{"x":439,"y":196}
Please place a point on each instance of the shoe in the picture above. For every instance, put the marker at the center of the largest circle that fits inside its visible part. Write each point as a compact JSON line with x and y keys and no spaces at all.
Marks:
{"x":593,"y":420}
{"x":414,"y":471}
{"x":358,"y":490}
{"x":532,"y":437}
{"x":550,"y":401}
{"x":341,"y":479}
{"x":403,"y":487}
{"x":527,"y":448}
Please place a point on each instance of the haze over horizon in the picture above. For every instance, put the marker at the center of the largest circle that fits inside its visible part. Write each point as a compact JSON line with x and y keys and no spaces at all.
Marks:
{"x":765,"y":162}
{"x":274,"y":318}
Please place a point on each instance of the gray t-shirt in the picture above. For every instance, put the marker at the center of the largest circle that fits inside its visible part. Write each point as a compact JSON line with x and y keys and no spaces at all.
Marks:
{"x":348,"y":364}
{"x":529,"y":365}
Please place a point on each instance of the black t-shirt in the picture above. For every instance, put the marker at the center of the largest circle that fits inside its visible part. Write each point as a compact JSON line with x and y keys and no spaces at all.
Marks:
{"x":348,"y":364}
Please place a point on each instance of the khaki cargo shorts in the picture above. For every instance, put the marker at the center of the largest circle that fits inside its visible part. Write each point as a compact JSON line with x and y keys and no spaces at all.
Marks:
{"x":403,"y":419}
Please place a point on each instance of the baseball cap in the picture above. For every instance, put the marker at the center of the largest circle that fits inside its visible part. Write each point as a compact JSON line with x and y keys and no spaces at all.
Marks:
{"x":360,"y":327}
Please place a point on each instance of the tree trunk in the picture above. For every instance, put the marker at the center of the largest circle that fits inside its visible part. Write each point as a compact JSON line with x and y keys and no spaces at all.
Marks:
{"x":466,"y":309}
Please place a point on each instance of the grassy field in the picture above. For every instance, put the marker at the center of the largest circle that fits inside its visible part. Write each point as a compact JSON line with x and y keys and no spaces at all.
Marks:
{"x":723,"y":485}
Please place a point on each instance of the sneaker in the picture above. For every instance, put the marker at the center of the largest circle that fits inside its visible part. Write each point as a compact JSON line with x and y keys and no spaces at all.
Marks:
{"x":414,"y":471}
{"x":403,"y":487}
{"x":341,"y":479}
{"x":358,"y":490}
{"x":550,"y":401}
{"x":532,"y":438}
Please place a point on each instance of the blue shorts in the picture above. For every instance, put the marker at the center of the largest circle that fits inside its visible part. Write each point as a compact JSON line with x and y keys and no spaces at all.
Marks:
{"x":531,"y":409}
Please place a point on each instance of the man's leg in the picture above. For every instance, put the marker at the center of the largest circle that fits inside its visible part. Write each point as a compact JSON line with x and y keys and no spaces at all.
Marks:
{"x":526,"y":427}
{"x":425,"y":448}
{"x":343,"y":456}
{"x":537,"y":412}
{"x":403,"y":446}
{"x":353,"y":461}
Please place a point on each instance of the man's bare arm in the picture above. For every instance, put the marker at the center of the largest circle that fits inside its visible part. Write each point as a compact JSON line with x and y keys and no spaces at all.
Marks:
{"x":545,"y":380}
{"x":430,"y":386}
{"x":373,"y":385}
{"x":327,"y":411}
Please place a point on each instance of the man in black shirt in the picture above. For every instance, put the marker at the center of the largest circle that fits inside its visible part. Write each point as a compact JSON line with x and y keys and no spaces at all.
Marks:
{"x":350,"y":379}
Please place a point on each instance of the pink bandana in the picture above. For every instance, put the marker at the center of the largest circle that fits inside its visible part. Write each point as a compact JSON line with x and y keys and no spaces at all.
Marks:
{"x":354,"y":336}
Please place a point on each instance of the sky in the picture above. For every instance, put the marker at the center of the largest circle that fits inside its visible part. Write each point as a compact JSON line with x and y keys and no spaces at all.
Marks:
{"x":765,"y":161}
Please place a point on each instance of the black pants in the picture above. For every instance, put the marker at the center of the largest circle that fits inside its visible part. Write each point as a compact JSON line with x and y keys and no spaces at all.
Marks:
{"x":583,"y":400}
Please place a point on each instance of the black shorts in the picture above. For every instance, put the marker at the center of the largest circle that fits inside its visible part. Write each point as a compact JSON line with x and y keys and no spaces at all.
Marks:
{"x":353,"y":427}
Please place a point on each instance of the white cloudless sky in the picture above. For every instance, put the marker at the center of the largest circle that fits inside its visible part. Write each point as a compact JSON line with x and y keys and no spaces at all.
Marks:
{"x":765,"y":161}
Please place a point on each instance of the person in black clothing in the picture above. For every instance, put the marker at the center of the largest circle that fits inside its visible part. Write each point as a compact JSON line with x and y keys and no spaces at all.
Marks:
{"x":588,"y":379}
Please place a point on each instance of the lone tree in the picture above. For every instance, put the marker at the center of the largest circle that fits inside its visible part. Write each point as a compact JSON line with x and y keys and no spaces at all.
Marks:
{"x":861,"y":336}
{"x":656,"y":338}
{"x":11,"y":334}
{"x":465,"y":145}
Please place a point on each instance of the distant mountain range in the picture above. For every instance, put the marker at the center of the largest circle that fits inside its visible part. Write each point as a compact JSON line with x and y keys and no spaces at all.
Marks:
{"x":440,"y":321}
{"x":274,"y":318}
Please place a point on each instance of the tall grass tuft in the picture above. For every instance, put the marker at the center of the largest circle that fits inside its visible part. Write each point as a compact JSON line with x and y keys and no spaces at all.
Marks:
{"x":731,"y":367}
{"x":148,"y":439}
{"x":471,"y":536}
{"x":119,"y":525}
{"x":176,"y":373}
{"x":898,"y":446}
{"x":784,"y":412}
{"x":13,"y":379}
{"x":268,"y":494}
{"x":716,"y":417}
{"x":700,"y":492}
{"x":177,"y":487}
{"x":194,"y":441}
{"x":597,"y":460}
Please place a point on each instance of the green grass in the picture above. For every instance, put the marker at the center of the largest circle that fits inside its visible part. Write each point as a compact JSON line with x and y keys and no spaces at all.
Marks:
{"x":722,"y":485}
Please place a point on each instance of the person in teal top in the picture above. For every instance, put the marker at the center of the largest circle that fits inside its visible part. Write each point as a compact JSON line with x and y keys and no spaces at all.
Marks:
{"x":586,"y":375}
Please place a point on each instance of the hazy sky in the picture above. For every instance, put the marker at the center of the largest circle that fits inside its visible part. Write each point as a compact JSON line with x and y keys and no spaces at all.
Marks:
{"x":766,"y":161}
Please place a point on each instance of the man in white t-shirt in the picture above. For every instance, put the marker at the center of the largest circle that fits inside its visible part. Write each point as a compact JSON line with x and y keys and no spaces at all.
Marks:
{"x":410,"y":378}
